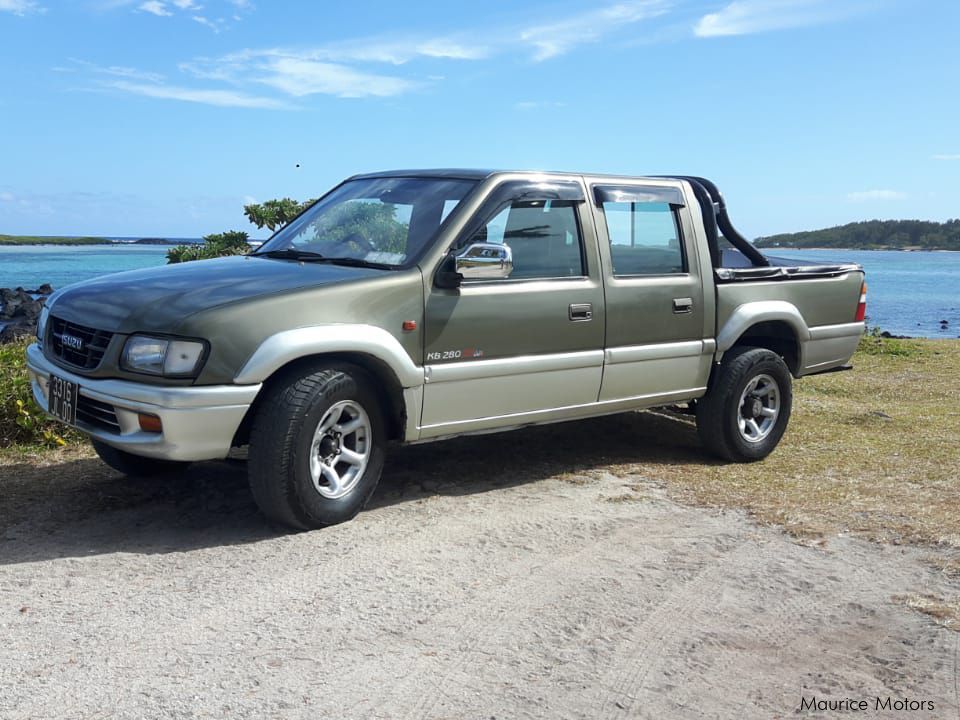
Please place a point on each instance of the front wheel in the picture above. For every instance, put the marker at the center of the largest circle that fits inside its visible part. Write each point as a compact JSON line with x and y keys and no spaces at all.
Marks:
{"x":316,"y":447}
{"x":746,"y":410}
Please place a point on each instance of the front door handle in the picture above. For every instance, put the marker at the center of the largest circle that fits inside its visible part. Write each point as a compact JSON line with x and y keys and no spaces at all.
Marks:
{"x":581,"y":312}
{"x":682,"y":305}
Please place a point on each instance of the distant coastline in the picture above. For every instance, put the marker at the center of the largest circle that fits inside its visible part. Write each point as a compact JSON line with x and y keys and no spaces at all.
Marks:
{"x":91,"y":240}
{"x":903,"y":235}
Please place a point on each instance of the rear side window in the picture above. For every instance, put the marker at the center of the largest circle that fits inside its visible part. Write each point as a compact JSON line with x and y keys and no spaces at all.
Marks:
{"x":543,"y":235}
{"x":644,"y":238}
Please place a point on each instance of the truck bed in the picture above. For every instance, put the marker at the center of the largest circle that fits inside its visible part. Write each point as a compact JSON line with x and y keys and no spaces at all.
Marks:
{"x":736,"y":267}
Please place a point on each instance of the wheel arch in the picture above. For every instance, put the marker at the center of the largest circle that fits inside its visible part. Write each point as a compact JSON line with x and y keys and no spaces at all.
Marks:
{"x":776,"y":336}
{"x":385,"y":383}
{"x":776,"y":326}
{"x":371,"y":349}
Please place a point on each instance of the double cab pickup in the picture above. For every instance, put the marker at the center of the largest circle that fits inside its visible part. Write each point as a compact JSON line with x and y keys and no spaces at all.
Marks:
{"x":418,"y":305}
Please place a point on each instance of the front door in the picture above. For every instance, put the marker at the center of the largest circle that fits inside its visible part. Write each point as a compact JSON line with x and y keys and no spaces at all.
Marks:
{"x":655,"y":349}
{"x":526,"y":346}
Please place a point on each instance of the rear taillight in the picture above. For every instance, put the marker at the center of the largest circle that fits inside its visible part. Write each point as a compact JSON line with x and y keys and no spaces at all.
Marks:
{"x":862,"y":305}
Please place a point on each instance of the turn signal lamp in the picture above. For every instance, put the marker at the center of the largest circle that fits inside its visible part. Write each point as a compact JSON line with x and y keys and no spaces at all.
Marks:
{"x":862,"y":306}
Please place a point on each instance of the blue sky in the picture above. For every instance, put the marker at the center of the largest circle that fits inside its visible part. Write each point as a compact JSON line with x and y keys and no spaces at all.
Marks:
{"x":163,"y":117}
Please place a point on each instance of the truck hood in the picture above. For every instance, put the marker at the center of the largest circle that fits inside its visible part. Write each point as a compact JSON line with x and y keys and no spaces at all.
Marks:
{"x":158,"y":299}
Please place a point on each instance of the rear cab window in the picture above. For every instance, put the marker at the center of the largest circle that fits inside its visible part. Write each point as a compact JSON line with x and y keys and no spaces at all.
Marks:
{"x":643,"y":229}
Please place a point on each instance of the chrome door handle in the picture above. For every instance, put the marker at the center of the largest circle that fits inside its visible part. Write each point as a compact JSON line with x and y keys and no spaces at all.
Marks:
{"x":581,"y":312}
{"x":682,"y":305}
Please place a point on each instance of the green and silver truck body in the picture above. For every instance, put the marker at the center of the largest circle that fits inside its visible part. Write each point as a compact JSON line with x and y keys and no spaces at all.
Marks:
{"x":470,"y":301}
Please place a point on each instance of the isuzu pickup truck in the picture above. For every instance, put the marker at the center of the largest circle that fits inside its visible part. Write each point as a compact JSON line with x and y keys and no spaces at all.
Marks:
{"x":418,"y":305}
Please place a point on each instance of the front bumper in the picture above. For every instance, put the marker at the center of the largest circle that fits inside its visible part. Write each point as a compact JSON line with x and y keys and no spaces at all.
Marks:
{"x":199,"y":423}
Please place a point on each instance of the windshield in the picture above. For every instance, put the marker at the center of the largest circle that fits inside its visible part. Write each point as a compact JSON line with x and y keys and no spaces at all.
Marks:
{"x":381,"y":221}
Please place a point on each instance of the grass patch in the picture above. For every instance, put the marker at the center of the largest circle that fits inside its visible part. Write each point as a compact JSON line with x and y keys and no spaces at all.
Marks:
{"x":875,"y":344}
{"x":23,"y":426}
{"x":873,"y":452}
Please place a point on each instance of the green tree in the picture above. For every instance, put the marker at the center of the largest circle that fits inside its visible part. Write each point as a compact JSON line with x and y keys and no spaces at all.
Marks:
{"x":274,"y":214}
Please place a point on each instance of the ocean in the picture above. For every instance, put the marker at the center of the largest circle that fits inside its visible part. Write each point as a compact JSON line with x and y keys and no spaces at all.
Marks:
{"x":909,"y":292}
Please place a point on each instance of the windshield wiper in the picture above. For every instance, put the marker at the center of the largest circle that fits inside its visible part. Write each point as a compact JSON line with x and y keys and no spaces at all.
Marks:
{"x":357,"y":262}
{"x":309,"y":256}
{"x":290,"y":254}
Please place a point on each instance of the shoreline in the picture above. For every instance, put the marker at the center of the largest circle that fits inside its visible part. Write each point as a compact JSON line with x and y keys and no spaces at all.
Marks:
{"x":89,"y":240}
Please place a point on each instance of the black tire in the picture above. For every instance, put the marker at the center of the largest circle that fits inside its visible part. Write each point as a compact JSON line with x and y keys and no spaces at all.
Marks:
{"x":719,"y":412}
{"x":282,"y":445}
{"x":135,"y":465}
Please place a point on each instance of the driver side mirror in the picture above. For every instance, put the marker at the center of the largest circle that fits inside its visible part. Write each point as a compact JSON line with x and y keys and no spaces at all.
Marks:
{"x":484,"y":261}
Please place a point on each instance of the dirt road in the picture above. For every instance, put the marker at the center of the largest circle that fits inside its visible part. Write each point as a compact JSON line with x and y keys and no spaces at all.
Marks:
{"x":484,"y":581}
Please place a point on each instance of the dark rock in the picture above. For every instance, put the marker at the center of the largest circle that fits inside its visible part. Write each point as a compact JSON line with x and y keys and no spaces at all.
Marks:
{"x":890,"y":336}
{"x":44,"y":289}
{"x":13,"y":300}
{"x":28,"y":311}
{"x":19,"y":312}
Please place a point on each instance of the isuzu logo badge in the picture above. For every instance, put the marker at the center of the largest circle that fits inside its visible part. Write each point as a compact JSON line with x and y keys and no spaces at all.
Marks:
{"x":72,"y":341}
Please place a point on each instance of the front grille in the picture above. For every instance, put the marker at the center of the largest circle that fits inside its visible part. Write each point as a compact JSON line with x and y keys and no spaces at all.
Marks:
{"x":97,"y":414}
{"x":88,"y":344}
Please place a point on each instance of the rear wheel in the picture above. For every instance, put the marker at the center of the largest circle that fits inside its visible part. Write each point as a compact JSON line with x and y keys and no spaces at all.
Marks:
{"x":316,"y":447}
{"x":746,"y":410}
{"x":135,"y":465}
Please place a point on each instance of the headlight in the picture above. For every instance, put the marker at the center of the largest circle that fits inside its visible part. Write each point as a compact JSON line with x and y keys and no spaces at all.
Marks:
{"x":162,"y":356}
{"x":42,"y":325}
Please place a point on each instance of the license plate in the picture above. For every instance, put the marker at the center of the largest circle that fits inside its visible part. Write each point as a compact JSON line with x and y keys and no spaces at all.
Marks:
{"x":62,"y":397}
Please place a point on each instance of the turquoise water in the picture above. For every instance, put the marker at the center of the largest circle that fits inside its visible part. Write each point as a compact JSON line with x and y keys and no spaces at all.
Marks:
{"x":29,"y":266}
{"x":909,"y":294}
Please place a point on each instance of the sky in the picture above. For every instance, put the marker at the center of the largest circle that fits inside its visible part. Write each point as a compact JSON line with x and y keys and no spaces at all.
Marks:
{"x":162,"y":118}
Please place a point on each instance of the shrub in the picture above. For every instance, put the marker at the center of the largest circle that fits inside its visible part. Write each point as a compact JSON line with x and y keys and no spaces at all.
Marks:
{"x":22,"y":422}
{"x":232,"y":242}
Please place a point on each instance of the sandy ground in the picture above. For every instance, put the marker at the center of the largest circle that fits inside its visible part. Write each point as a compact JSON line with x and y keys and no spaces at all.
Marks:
{"x":509,"y":592}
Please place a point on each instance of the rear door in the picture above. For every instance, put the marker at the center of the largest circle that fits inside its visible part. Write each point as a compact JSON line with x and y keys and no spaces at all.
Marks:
{"x":656,"y":314}
{"x":527,"y":346}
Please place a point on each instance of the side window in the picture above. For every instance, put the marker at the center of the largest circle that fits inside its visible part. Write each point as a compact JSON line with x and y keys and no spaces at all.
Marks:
{"x":644,"y":238}
{"x":543,"y":235}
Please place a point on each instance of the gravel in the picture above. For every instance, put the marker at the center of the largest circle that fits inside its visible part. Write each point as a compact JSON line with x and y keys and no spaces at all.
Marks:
{"x":512,"y":592}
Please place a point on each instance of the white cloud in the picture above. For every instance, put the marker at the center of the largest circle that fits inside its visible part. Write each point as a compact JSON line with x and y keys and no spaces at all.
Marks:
{"x":299,"y":73}
{"x":299,"y":77}
{"x":875,"y":195}
{"x":219,"y":98}
{"x":19,"y":7}
{"x":206,"y":22}
{"x":398,"y":52}
{"x":120,"y":71}
{"x":560,"y":37}
{"x":744,"y":17}
{"x":155,"y":7}
{"x":344,"y":69}
{"x":954,"y":156}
